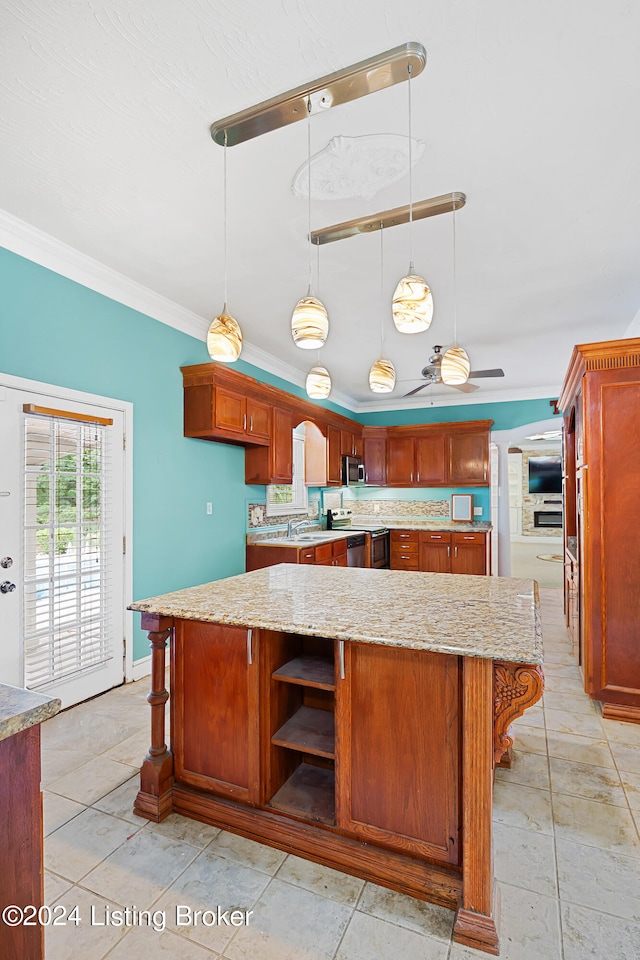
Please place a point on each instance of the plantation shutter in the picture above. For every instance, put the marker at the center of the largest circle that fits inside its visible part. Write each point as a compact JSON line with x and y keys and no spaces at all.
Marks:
{"x":67,"y":616}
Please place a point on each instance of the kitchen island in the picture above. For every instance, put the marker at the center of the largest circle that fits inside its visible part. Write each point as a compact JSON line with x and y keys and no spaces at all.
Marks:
{"x":350,"y":716}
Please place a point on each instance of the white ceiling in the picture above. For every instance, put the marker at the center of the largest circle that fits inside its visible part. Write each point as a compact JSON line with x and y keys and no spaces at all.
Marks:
{"x":530,"y":107}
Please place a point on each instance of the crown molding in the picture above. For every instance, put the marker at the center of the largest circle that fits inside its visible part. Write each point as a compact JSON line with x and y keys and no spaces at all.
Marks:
{"x":455,"y":400}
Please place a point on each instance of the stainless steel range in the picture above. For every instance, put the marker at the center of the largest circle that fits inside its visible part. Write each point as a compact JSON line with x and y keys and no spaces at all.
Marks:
{"x":379,"y":550}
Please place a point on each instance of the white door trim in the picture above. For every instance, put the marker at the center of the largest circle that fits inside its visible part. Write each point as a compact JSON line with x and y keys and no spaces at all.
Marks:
{"x":126,"y":407}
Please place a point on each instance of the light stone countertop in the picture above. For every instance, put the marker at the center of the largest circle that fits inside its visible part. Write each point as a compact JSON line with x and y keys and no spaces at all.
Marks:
{"x":21,"y":709}
{"x":424,"y":523}
{"x":490,"y":617}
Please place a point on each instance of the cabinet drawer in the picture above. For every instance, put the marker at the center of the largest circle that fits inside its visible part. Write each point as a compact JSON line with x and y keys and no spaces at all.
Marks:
{"x":404,"y":561}
{"x":405,"y":546}
{"x":338,"y":548}
{"x":402,"y":536}
{"x":308,"y":555}
{"x":427,"y":536}
{"x":324,"y":552}
{"x":469,"y":537}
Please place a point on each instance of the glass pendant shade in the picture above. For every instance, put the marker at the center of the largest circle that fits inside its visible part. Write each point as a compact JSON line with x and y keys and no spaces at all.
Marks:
{"x":412,"y":306}
{"x":455,"y":367}
{"x":309,"y":323}
{"x":382,"y":376}
{"x":224,"y":338}
{"x":318,"y":383}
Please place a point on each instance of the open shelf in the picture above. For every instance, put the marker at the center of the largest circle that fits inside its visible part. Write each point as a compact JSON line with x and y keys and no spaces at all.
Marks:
{"x":309,"y":730}
{"x":308,"y":793}
{"x":308,"y":671}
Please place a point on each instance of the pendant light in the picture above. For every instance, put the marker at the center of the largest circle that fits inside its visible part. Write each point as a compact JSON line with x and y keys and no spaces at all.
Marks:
{"x":309,"y":322}
{"x":318,"y":383}
{"x":224,"y":337}
{"x":412,"y":300}
{"x":382,"y":375}
{"x":456,"y":366}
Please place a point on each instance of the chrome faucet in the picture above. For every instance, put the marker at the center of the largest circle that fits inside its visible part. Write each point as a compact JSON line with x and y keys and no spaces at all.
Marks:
{"x":294,"y":525}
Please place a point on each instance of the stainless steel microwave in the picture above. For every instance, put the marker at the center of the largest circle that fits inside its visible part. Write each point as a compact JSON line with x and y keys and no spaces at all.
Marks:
{"x":352,"y":471}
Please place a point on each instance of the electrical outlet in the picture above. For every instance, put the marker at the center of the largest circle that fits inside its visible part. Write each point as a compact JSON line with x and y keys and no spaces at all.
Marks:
{"x":376,"y":508}
{"x":209,"y":508}
{"x":477,"y":511}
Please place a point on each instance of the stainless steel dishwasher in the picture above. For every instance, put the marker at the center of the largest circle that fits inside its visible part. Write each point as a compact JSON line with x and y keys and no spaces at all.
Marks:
{"x":356,"y":550}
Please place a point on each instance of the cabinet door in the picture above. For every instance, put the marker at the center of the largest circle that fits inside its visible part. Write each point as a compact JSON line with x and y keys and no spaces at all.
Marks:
{"x":334,"y":457}
{"x":214,"y":720}
{"x":258,"y":419}
{"x":431,"y":460}
{"x":469,"y":554}
{"x":400,"y":457}
{"x":468,"y":459}
{"x":230,"y":410}
{"x":347,"y":444}
{"x":435,"y":557}
{"x":281,"y":447}
{"x":358,"y":444}
{"x":375,"y":461}
{"x":413,"y":737}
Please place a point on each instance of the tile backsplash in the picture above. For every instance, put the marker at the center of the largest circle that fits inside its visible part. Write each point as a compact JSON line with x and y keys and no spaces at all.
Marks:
{"x":401,"y":508}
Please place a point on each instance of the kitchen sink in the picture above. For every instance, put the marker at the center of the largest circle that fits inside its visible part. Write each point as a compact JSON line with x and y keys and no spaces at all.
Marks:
{"x":304,"y":536}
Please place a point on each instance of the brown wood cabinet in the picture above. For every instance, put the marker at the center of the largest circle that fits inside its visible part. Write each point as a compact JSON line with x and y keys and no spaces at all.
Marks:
{"x":333,"y":553}
{"x":600,"y":401}
{"x":374,"y":445}
{"x":400,"y":460}
{"x":351,"y":442}
{"x":334,"y":457}
{"x":439,"y":551}
{"x":272,"y":464}
{"x":433,"y":455}
{"x":403,"y":550}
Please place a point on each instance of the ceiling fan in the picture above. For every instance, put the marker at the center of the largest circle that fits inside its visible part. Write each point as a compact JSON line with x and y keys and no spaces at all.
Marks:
{"x":432,"y":374}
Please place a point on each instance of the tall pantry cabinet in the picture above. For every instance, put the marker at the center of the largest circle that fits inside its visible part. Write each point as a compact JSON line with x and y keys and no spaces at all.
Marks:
{"x":600,"y":402}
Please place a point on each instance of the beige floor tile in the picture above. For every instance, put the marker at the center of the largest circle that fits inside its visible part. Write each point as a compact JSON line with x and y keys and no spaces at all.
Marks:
{"x":54,"y":887}
{"x":119,"y":802}
{"x":58,"y":810}
{"x":87,"y":940}
{"x":595,"y":824}
{"x":370,"y":938}
{"x":92,"y":780}
{"x":524,"y":807}
{"x":631,"y":784}
{"x":528,"y":769}
{"x":587,"y":780}
{"x":569,"y":746}
{"x":291,"y":924}
{"x":210,"y":882}
{"x":185,"y":830}
{"x":82,"y":843}
{"x":560,"y":658}
{"x":575,"y":688}
{"x":627,"y":757}
{"x":528,"y":739}
{"x":142,"y":943}
{"x":619,"y":732}
{"x":533,"y":717}
{"x":133,"y":750}
{"x":584,"y":725}
{"x":321,"y":880}
{"x":140,"y":869}
{"x":57,"y":761}
{"x":248,"y":852}
{"x":589,"y":935}
{"x":524,"y":858}
{"x":427,"y":919}
{"x":85,"y":728}
{"x":529,"y":928}
{"x":580,"y":703}
{"x":599,"y":879}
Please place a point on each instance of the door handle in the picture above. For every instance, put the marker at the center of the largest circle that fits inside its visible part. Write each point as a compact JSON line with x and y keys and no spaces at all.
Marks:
{"x":448,"y":551}
{"x":251,"y":424}
{"x":341,"y":658}
{"x":249,"y":650}
{"x":7,"y":587}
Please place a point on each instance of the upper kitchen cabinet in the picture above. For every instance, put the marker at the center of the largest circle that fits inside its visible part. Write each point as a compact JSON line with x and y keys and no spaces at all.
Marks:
{"x":374,"y":447}
{"x":351,"y":443}
{"x":600,"y":401}
{"x":438,"y":455}
{"x":334,"y":457}
{"x":272,"y":464}
{"x":468,"y":457}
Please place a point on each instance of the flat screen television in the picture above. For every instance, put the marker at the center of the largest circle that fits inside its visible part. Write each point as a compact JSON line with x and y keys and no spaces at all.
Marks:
{"x":545,"y":474}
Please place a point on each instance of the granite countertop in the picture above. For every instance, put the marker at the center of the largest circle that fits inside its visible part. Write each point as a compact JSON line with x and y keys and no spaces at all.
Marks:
{"x":278,"y":539}
{"x":491,"y":617}
{"x":424,"y":523}
{"x":21,"y":709}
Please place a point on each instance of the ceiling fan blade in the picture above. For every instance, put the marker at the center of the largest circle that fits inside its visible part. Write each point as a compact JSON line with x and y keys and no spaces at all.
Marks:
{"x":464,"y":387}
{"x":417,"y":390}
{"x":486,"y":373}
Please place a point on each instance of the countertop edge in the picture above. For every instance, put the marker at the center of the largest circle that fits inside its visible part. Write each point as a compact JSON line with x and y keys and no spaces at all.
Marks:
{"x":15,"y":718}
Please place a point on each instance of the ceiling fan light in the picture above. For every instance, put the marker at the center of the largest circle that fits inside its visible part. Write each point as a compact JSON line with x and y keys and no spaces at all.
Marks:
{"x":382,"y":376}
{"x":318,"y":383}
{"x":412,"y":305}
{"x":455,"y":367}
{"x":224,"y":338}
{"x":309,"y":323}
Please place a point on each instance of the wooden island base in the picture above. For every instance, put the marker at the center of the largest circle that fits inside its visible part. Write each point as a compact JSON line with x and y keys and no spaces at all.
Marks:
{"x":372,"y":759}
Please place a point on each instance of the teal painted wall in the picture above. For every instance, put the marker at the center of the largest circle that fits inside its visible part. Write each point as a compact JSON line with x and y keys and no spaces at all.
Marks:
{"x":56,"y":331}
{"x":505,"y":415}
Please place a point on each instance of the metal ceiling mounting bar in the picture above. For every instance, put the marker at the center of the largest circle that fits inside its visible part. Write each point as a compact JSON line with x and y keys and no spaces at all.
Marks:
{"x":344,"y":85}
{"x":390,"y":218}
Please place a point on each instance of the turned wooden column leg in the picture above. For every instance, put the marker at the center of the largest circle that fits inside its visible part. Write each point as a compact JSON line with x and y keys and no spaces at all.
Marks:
{"x":154,"y":800}
{"x":477,"y":918}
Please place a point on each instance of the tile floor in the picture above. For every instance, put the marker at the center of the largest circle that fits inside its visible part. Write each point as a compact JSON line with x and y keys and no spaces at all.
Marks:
{"x":567,"y":851}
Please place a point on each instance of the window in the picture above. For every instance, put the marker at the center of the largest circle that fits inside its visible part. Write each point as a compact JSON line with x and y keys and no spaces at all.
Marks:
{"x":285,"y":498}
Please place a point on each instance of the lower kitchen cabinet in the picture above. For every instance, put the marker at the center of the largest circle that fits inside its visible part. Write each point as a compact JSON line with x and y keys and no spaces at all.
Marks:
{"x":403,"y":550}
{"x":469,"y":553}
{"x":435,"y":552}
{"x":439,"y":552}
{"x":260,"y":555}
{"x":215,"y":734}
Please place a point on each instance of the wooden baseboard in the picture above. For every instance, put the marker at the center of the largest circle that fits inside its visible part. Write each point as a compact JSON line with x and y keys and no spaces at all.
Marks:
{"x":621,"y":711}
{"x":153,"y":808}
{"x":478,"y":931}
{"x":413,"y":877}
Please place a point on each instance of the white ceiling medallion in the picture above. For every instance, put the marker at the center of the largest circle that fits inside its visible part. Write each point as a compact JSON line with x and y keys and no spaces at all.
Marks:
{"x":356,"y":167}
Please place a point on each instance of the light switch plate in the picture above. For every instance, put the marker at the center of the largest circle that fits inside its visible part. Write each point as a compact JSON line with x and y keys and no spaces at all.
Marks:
{"x":477,"y":511}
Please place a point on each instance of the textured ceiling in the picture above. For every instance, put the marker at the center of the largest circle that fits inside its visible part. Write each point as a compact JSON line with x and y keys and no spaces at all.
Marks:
{"x":531,"y":109}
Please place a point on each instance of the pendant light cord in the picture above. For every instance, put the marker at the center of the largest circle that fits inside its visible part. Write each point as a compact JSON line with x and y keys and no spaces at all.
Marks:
{"x":410,"y":177}
{"x":309,"y":182}
{"x":455,"y":305}
{"x":224,"y":220}
{"x":381,"y":289}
